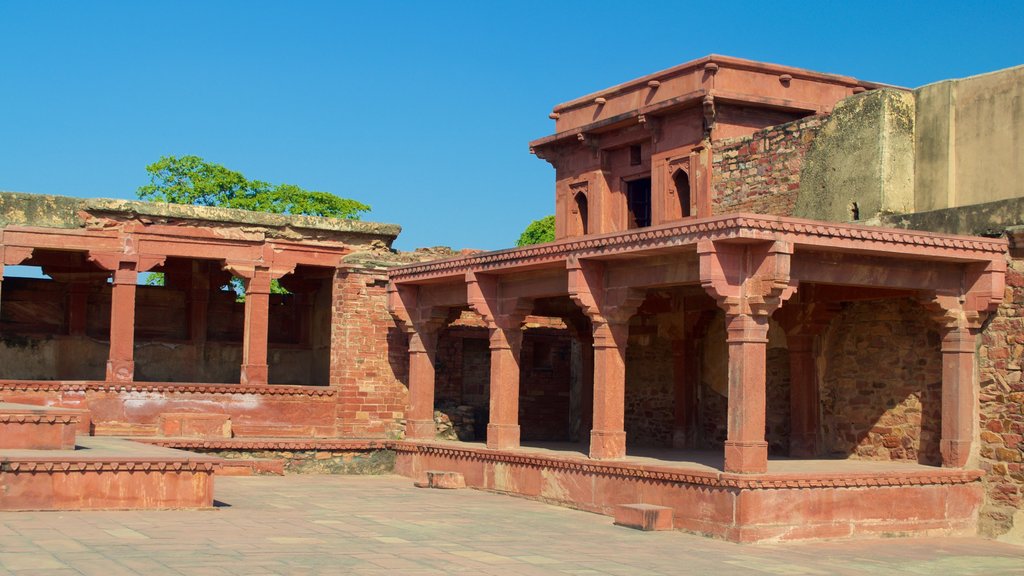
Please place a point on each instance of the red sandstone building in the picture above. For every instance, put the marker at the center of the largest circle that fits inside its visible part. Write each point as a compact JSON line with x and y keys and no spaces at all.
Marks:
{"x":776,"y":308}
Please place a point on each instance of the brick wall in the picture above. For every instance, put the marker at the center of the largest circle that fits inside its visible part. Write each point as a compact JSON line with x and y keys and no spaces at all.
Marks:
{"x":882,"y":389}
{"x":369,"y":357}
{"x":1002,"y":408}
{"x":761,"y":173}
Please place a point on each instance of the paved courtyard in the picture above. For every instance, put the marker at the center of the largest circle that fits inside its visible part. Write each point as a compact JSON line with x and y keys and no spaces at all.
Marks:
{"x":382,"y":525}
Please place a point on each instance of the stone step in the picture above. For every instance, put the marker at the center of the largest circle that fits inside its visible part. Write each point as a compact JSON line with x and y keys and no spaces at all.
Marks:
{"x":252,"y":467}
{"x":646,"y":517}
{"x":28,"y":427}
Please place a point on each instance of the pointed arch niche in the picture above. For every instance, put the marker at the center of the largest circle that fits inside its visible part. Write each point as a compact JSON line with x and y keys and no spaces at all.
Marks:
{"x":579,"y":210}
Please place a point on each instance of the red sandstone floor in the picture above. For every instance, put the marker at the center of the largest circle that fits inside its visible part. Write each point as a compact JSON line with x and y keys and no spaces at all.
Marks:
{"x":382,"y":525}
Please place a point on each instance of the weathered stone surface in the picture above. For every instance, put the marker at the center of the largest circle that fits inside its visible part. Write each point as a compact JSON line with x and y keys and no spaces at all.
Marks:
{"x":863,"y":154}
{"x":314,"y":461}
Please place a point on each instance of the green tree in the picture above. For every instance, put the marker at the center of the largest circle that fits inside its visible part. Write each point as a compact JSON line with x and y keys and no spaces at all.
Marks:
{"x":192,"y":180}
{"x":538,"y":231}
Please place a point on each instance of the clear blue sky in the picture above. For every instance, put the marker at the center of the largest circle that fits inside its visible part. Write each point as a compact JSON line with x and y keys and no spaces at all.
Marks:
{"x":422,"y":110}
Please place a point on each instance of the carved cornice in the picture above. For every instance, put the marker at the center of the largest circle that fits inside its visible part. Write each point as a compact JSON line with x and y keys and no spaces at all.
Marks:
{"x":712,"y":479}
{"x":39,"y":419}
{"x":741,"y":226}
{"x":208,"y":466}
{"x":38,"y":386}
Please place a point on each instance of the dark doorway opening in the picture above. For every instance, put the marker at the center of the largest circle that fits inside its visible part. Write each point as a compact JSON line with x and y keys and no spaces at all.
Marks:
{"x":638,"y":201}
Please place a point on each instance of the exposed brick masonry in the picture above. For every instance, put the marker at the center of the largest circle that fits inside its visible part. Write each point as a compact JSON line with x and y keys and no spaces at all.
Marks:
{"x":369,"y":357}
{"x":760,"y":173}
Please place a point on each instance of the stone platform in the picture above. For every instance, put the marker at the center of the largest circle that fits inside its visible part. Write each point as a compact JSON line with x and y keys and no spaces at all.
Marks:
{"x":106,"y":474}
{"x":794,"y":500}
{"x":45,"y":465}
{"x":28,"y":427}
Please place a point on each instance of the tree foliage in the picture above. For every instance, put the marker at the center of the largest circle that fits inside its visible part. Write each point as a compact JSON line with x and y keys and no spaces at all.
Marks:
{"x":538,"y":231}
{"x":192,"y":180}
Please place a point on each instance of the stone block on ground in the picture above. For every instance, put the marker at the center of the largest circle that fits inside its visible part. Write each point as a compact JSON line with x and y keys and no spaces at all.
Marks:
{"x":646,"y":517}
{"x":443,"y":480}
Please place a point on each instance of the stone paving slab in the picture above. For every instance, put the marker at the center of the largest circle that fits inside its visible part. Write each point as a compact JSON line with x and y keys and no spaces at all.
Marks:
{"x":371,"y":525}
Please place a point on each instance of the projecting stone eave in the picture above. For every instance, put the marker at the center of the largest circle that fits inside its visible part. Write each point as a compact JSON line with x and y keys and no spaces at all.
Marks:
{"x":715,"y":78}
{"x":725,"y":61}
{"x":802,"y":234}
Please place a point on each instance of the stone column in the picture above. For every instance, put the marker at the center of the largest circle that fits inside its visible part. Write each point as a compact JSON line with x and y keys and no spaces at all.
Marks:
{"x":608,"y":436}
{"x":958,"y":410}
{"x":422,"y":348}
{"x":121,"y":360}
{"x":745,"y":447}
{"x":257,"y":316}
{"x":804,"y":397}
{"x":506,"y":343}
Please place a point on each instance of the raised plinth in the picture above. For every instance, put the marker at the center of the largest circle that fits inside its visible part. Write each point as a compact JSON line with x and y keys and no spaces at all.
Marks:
{"x":793,"y":500}
{"x":106,"y":474}
{"x":27,"y":427}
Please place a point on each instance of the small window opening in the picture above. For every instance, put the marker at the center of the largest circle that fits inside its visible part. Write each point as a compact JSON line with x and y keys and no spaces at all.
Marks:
{"x":638,"y":201}
{"x":582,"y":212}
{"x":854,"y":211}
{"x":682,"y":181}
{"x":635,"y":155}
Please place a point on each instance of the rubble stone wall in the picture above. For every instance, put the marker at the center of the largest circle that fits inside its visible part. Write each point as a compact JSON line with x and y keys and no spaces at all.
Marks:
{"x":882,"y":386}
{"x":1001,"y":403}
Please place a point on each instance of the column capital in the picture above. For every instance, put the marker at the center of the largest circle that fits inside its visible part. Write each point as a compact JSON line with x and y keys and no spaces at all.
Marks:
{"x":115,"y":261}
{"x":750,"y":279}
{"x":602,"y":303}
{"x":403,"y":303}
{"x":952,"y":313}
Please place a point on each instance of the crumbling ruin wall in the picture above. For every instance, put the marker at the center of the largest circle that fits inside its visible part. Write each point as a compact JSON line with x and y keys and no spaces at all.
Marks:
{"x":760,"y":173}
{"x":369,"y":357}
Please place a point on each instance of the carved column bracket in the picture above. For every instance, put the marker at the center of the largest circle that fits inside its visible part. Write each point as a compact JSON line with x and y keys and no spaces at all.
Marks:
{"x":256,"y":278}
{"x":504,"y":315}
{"x":959,"y":321}
{"x":422,"y":323}
{"x":609,"y":309}
{"x":749,"y":281}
